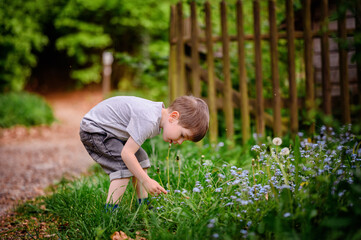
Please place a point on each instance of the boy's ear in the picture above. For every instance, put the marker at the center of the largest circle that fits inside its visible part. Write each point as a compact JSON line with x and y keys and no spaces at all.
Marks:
{"x":174,"y":116}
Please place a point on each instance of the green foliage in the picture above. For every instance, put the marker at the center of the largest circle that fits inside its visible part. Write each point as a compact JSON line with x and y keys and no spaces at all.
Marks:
{"x":151,"y":74}
{"x":21,"y":35}
{"x":89,"y":28}
{"x":83,"y":37}
{"x":24,"y":109}
{"x":82,"y":29}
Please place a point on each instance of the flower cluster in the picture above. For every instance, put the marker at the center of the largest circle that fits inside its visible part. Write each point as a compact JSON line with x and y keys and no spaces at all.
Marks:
{"x":277,"y":168}
{"x":247,"y":193}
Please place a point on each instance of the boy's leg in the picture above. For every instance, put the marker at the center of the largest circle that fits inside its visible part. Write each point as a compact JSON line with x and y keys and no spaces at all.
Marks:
{"x":116,"y":190}
{"x":141,"y":192}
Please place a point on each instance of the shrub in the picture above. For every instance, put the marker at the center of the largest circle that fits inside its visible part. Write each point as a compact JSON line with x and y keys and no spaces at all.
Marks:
{"x":24,"y":109}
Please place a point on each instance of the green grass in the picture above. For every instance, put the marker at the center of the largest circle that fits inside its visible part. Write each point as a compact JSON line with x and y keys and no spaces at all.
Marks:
{"x":311,"y":193}
{"x":24,"y":109}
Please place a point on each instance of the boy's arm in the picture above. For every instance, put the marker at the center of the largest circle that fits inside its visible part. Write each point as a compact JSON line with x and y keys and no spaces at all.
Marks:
{"x":128,"y":156}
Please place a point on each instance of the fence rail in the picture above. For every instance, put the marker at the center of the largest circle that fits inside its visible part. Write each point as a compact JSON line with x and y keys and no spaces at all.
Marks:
{"x":186,"y":73}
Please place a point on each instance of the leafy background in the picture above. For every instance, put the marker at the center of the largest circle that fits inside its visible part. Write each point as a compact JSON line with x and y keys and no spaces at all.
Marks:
{"x":58,"y":44}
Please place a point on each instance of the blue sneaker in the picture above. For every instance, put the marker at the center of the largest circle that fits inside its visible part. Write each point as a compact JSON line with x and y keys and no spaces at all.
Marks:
{"x":145,"y":201}
{"x":110,"y":207}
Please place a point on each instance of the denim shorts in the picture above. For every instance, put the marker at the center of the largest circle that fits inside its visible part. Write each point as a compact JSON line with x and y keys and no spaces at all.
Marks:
{"x":105,"y":149}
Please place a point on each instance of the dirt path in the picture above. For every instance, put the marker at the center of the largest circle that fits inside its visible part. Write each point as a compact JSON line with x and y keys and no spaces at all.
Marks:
{"x":32,"y":159}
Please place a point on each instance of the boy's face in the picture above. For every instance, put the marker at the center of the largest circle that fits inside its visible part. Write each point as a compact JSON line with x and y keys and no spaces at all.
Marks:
{"x":173,"y":132}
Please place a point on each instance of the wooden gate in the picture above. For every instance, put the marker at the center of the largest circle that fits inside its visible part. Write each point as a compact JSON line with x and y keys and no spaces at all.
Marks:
{"x":186,"y":73}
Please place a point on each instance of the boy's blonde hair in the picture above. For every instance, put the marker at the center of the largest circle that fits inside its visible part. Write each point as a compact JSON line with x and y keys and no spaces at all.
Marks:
{"x":193,"y":115}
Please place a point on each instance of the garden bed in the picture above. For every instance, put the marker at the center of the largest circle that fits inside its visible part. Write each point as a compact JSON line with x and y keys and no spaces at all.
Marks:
{"x":309,"y":189}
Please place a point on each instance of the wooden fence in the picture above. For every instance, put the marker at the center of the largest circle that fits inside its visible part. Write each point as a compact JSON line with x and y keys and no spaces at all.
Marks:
{"x":186,"y":74}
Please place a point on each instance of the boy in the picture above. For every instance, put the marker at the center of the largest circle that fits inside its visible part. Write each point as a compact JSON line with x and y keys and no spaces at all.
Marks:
{"x":114,"y":130}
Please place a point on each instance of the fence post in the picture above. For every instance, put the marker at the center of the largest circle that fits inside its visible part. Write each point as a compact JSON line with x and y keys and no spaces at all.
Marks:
{"x":172,"y":63}
{"x":181,"y":88}
{"x":274,"y":68}
{"x":343,"y":71}
{"x":227,"y":97}
{"x":260,"y":124}
{"x":291,"y":67}
{"x":196,"y":86}
{"x":213,"y":125}
{"x":310,"y":90}
{"x":242,"y":75}
{"x":107,"y":72}
{"x":358,"y":51}
{"x":326,"y":85}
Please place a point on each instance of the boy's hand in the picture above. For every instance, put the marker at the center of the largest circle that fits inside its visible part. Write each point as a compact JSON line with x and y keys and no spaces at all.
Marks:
{"x":153,"y":188}
{"x":128,"y":156}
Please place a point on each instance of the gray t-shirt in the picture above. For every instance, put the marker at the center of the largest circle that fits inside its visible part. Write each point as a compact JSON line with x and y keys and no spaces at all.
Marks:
{"x":125,"y":116}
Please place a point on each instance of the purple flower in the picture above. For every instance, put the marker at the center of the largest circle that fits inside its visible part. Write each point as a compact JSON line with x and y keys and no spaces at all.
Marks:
{"x":196,"y":189}
{"x":215,"y":235}
{"x":221,"y":175}
{"x":287,"y":214}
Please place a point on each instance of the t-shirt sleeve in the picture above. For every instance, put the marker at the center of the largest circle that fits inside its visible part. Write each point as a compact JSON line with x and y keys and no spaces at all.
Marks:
{"x":140,"y":129}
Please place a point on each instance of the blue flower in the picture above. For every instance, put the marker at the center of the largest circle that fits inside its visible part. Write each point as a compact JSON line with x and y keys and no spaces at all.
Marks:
{"x":340,"y":194}
{"x":221,"y":176}
{"x":210,"y":225}
{"x":196,"y":189}
{"x":218,"y":189}
{"x":256,"y":148}
{"x":244,"y":232}
{"x":287,"y":214}
{"x":237,"y":181}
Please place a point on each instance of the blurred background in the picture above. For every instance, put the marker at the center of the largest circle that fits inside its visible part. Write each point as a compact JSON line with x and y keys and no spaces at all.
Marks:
{"x":57,"y":44}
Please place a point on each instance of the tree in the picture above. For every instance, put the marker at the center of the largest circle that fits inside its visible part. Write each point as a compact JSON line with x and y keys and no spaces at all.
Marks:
{"x":20,"y":38}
